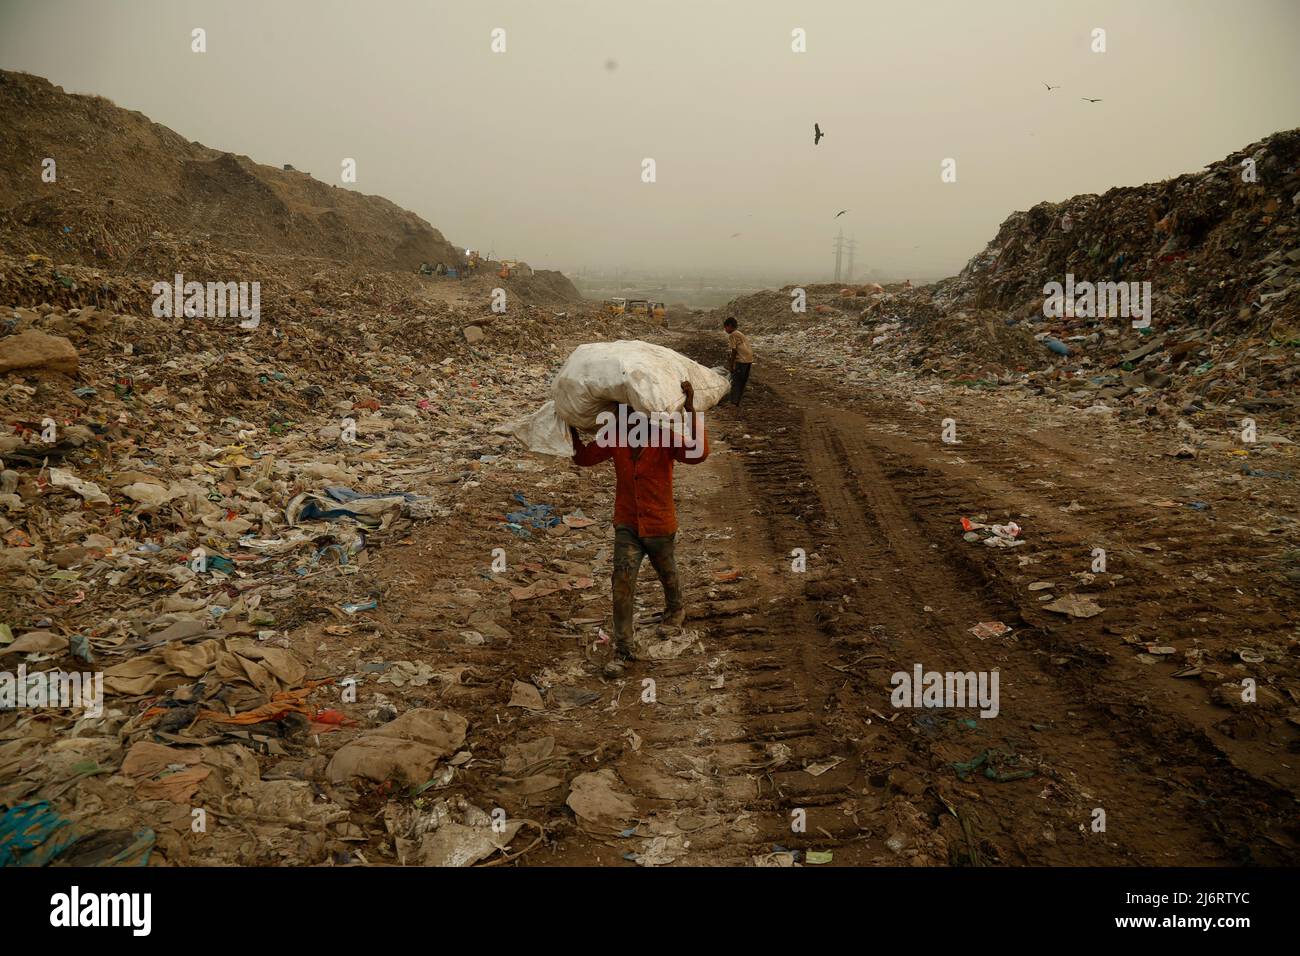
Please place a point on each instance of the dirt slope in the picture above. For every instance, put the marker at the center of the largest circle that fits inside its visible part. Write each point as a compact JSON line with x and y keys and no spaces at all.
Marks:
{"x":123,"y":178}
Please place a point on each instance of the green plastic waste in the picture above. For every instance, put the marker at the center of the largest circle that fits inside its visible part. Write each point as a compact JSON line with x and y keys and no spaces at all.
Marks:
{"x":990,"y":761}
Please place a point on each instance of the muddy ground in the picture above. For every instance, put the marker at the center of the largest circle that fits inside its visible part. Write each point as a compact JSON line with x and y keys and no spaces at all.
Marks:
{"x":1132,"y":718}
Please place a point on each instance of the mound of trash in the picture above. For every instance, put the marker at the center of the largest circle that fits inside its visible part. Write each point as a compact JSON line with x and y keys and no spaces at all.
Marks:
{"x":1220,"y":248}
{"x":1171,"y":300}
{"x":185,"y":501}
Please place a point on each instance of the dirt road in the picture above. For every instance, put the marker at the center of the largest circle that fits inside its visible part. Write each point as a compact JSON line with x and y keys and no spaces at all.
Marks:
{"x":775,"y":729}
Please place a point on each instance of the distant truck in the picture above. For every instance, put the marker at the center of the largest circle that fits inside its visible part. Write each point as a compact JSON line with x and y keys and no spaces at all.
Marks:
{"x":616,"y":306}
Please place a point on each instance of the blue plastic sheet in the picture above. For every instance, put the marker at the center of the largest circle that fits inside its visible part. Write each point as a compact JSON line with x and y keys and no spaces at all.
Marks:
{"x":31,"y":834}
{"x":535,"y":516}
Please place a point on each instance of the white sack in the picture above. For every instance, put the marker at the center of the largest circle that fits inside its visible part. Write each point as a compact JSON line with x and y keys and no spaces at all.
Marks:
{"x":600,"y":375}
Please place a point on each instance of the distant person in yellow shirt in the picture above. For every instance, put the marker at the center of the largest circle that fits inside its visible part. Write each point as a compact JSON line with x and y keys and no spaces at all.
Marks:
{"x":740,"y":361}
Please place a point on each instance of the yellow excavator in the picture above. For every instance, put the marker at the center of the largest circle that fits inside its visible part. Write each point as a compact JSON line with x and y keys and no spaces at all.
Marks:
{"x":651,"y":310}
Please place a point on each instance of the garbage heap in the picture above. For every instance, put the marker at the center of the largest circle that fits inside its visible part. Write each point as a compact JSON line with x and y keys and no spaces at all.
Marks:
{"x":1220,"y":252}
{"x":182,"y":498}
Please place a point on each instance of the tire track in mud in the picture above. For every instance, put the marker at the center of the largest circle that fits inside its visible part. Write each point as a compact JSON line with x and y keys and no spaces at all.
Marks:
{"x":1170,"y":796}
{"x":731,"y":733}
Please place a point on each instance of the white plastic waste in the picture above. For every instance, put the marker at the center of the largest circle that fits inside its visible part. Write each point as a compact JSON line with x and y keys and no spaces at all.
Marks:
{"x":600,"y":375}
{"x":91,"y":492}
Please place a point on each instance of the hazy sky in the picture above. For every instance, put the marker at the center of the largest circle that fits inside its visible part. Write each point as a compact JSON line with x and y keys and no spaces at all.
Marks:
{"x":537,"y":151}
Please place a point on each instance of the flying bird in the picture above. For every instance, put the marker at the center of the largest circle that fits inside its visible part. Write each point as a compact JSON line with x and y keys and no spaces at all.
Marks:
{"x":817,"y":134}
{"x":734,"y":235}
{"x":1050,"y":87}
{"x":1090,"y":100}
{"x":840,"y":213}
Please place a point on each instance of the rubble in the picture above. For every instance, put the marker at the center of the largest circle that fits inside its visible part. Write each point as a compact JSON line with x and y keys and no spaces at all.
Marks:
{"x":1211,"y":382}
{"x":1221,"y":254}
{"x":32,"y":349}
{"x":201,"y":521}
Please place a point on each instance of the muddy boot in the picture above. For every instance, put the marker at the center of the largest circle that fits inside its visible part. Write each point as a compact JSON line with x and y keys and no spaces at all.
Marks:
{"x":628,"y":554}
{"x":662,"y":556}
{"x":672,"y":621}
{"x":617,"y":665}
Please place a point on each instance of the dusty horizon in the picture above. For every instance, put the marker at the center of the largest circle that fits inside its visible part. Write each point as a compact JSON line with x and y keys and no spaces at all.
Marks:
{"x":537,"y":152}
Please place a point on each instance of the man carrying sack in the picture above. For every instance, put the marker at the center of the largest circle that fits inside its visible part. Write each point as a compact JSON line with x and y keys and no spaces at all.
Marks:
{"x":645,"y":516}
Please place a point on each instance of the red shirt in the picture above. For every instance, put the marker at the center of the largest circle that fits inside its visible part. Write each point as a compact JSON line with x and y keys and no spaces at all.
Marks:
{"x":643,"y":498}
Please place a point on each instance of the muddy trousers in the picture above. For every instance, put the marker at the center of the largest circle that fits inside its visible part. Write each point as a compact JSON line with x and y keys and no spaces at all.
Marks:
{"x":739,"y":376}
{"x":629,"y":549}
